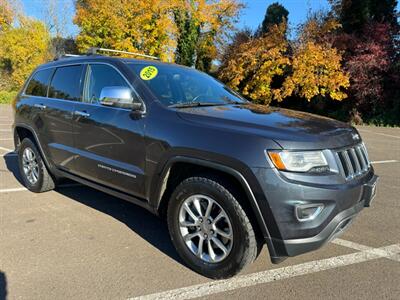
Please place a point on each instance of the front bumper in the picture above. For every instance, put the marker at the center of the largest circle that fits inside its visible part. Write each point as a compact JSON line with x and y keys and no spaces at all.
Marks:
{"x":342,"y":204}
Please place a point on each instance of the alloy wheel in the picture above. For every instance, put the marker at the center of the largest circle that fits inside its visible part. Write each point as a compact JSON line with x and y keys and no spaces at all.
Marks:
{"x":30,"y":166}
{"x":205,"y":228}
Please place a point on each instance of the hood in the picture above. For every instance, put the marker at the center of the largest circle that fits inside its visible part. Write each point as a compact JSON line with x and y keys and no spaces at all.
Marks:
{"x":290,"y":129}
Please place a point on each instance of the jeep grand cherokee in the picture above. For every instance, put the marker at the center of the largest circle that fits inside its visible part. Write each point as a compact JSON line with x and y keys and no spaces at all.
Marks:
{"x":229,"y":176}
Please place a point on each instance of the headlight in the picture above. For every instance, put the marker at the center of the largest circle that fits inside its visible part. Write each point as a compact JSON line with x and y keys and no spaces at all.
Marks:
{"x":304,"y":161}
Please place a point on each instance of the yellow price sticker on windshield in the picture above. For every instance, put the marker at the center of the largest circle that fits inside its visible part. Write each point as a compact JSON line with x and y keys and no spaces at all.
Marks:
{"x":148,"y":73}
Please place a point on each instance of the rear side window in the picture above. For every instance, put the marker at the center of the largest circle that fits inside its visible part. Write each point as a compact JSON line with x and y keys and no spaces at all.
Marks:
{"x":39,"y":83}
{"x":100,"y":76}
{"x":66,"y":83}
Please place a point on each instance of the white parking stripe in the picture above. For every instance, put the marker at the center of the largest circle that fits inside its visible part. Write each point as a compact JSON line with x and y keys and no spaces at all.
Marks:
{"x":215,"y":287}
{"x":5,"y":130}
{"x":10,"y":139}
{"x":384,"y":161}
{"x":6,"y":149}
{"x":356,"y":246}
{"x":13,"y":190}
{"x":378,"y":133}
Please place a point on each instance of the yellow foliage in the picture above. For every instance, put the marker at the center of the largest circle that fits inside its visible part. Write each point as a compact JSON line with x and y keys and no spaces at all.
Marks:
{"x":316,"y":70}
{"x":23,"y":48}
{"x":147,"y":26}
{"x":216,"y":18}
{"x":253,"y":66}
{"x":6,"y":14}
{"x":138,"y":26}
{"x":317,"y":29}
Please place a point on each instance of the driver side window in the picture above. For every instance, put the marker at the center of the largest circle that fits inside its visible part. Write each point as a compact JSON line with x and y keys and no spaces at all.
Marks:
{"x":100,"y":76}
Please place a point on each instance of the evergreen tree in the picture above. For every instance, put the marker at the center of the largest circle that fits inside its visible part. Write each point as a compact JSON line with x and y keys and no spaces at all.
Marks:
{"x":188,"y":35}
{"x":275,"y":14}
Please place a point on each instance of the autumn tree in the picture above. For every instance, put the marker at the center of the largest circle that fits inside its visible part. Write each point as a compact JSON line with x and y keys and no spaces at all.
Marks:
{"x":191,"y":30}
{"x":203,"y":28}
{"x":240,"y":37}
{"x":137,"y":26}
{"x":255,"y":65}
{"x":23,"y":48}
{"x":316,"y":71}
{"x":370,"y":46}
{"x":6,"y":15}
{"x":316,"y":64}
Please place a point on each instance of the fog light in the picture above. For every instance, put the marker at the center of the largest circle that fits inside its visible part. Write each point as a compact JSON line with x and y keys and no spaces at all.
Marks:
{"x":307,"y":212}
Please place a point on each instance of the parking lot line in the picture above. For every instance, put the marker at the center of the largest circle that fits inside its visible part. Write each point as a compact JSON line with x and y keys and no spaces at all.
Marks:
{"x":220,"y":286}
{"x":378,"y":133}
{"x":384,"y":161}
{"x":13,"y":190}
{"x":359,"y":247}
{"x":7,"y":139}
{"x":6,"y":149}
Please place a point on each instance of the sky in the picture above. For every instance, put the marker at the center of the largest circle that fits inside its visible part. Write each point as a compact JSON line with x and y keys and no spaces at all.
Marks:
{"x":251,"y":16}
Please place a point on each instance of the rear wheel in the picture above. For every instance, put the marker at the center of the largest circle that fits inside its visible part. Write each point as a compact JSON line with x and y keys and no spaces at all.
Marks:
{"x":32,"y":168}
{"x":210,"y":229}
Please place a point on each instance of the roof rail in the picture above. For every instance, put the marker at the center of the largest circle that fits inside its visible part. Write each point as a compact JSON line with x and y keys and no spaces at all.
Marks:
{"x":65,"y":55}
{"x":95,"y":50}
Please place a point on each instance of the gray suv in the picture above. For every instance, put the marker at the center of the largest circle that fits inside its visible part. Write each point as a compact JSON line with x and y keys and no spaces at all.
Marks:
{"x":228,"y":176}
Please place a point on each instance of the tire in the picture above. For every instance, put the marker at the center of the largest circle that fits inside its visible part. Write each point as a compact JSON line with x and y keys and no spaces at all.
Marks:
{"x":43,"y":181}
{"x":243,"y":244}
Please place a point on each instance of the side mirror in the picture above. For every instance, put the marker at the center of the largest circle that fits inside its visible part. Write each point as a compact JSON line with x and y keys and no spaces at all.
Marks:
{"x":118,"y":96}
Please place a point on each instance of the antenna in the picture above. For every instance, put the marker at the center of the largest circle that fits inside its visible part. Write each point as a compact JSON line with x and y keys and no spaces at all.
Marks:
{"x":95,"y":50}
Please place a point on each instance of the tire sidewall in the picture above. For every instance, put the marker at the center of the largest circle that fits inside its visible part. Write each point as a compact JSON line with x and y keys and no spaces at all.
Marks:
{"x":234,"y":261}
{"x":27,"y":143}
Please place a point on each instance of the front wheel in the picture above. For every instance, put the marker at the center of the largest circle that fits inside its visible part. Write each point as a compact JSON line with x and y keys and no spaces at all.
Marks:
{"x":210,"y":229}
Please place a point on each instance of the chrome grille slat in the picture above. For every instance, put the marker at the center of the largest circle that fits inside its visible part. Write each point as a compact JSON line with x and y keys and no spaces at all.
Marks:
{"x":349,"y":166}
{"x":353,"y":161}
{"x":356,"y":162}
{"x":364,"y":164}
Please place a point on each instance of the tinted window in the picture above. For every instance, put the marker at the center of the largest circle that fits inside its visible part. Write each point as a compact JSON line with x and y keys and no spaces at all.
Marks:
{"x":100,"y":76}
{"x":66,"y":83}
{"x":173,"y":85}
{"x":39,"y":83}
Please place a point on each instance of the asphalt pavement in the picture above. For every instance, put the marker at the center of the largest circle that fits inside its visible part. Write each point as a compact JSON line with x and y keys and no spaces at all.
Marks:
{"x":79,"y":243}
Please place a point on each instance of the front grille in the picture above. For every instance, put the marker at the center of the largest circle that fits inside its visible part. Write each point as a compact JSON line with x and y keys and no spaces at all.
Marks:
{"x":353,"y":161}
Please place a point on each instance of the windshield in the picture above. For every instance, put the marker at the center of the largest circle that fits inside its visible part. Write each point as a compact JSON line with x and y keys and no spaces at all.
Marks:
{"x":176,"y":86}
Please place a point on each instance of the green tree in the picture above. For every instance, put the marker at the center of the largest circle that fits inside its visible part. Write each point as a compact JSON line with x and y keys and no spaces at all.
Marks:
{"x":188,"y":36}
{"x":355,"y":14}
{"x":275,"y":15}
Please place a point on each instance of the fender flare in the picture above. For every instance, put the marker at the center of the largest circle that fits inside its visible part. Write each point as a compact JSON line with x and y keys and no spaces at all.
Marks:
{"x":163,"y":179}
{"x":37,"y":141}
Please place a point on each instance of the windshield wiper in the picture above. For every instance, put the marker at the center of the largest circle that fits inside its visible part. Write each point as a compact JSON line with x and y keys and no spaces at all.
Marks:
{"x":195,"y":104}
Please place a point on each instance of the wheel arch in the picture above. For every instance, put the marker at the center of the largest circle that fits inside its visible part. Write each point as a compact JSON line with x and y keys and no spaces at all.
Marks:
{"x":160,"y":197}
{"x":22,"y":131}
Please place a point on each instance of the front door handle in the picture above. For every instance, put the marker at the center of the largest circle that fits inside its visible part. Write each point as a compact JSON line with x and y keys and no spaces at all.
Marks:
{"x":81,"y":114}
{"x":40,"y":106}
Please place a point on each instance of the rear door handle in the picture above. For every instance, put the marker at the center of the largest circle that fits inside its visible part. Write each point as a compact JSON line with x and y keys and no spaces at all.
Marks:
{"x":81,"y":114}
{"x":40,"y":106}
